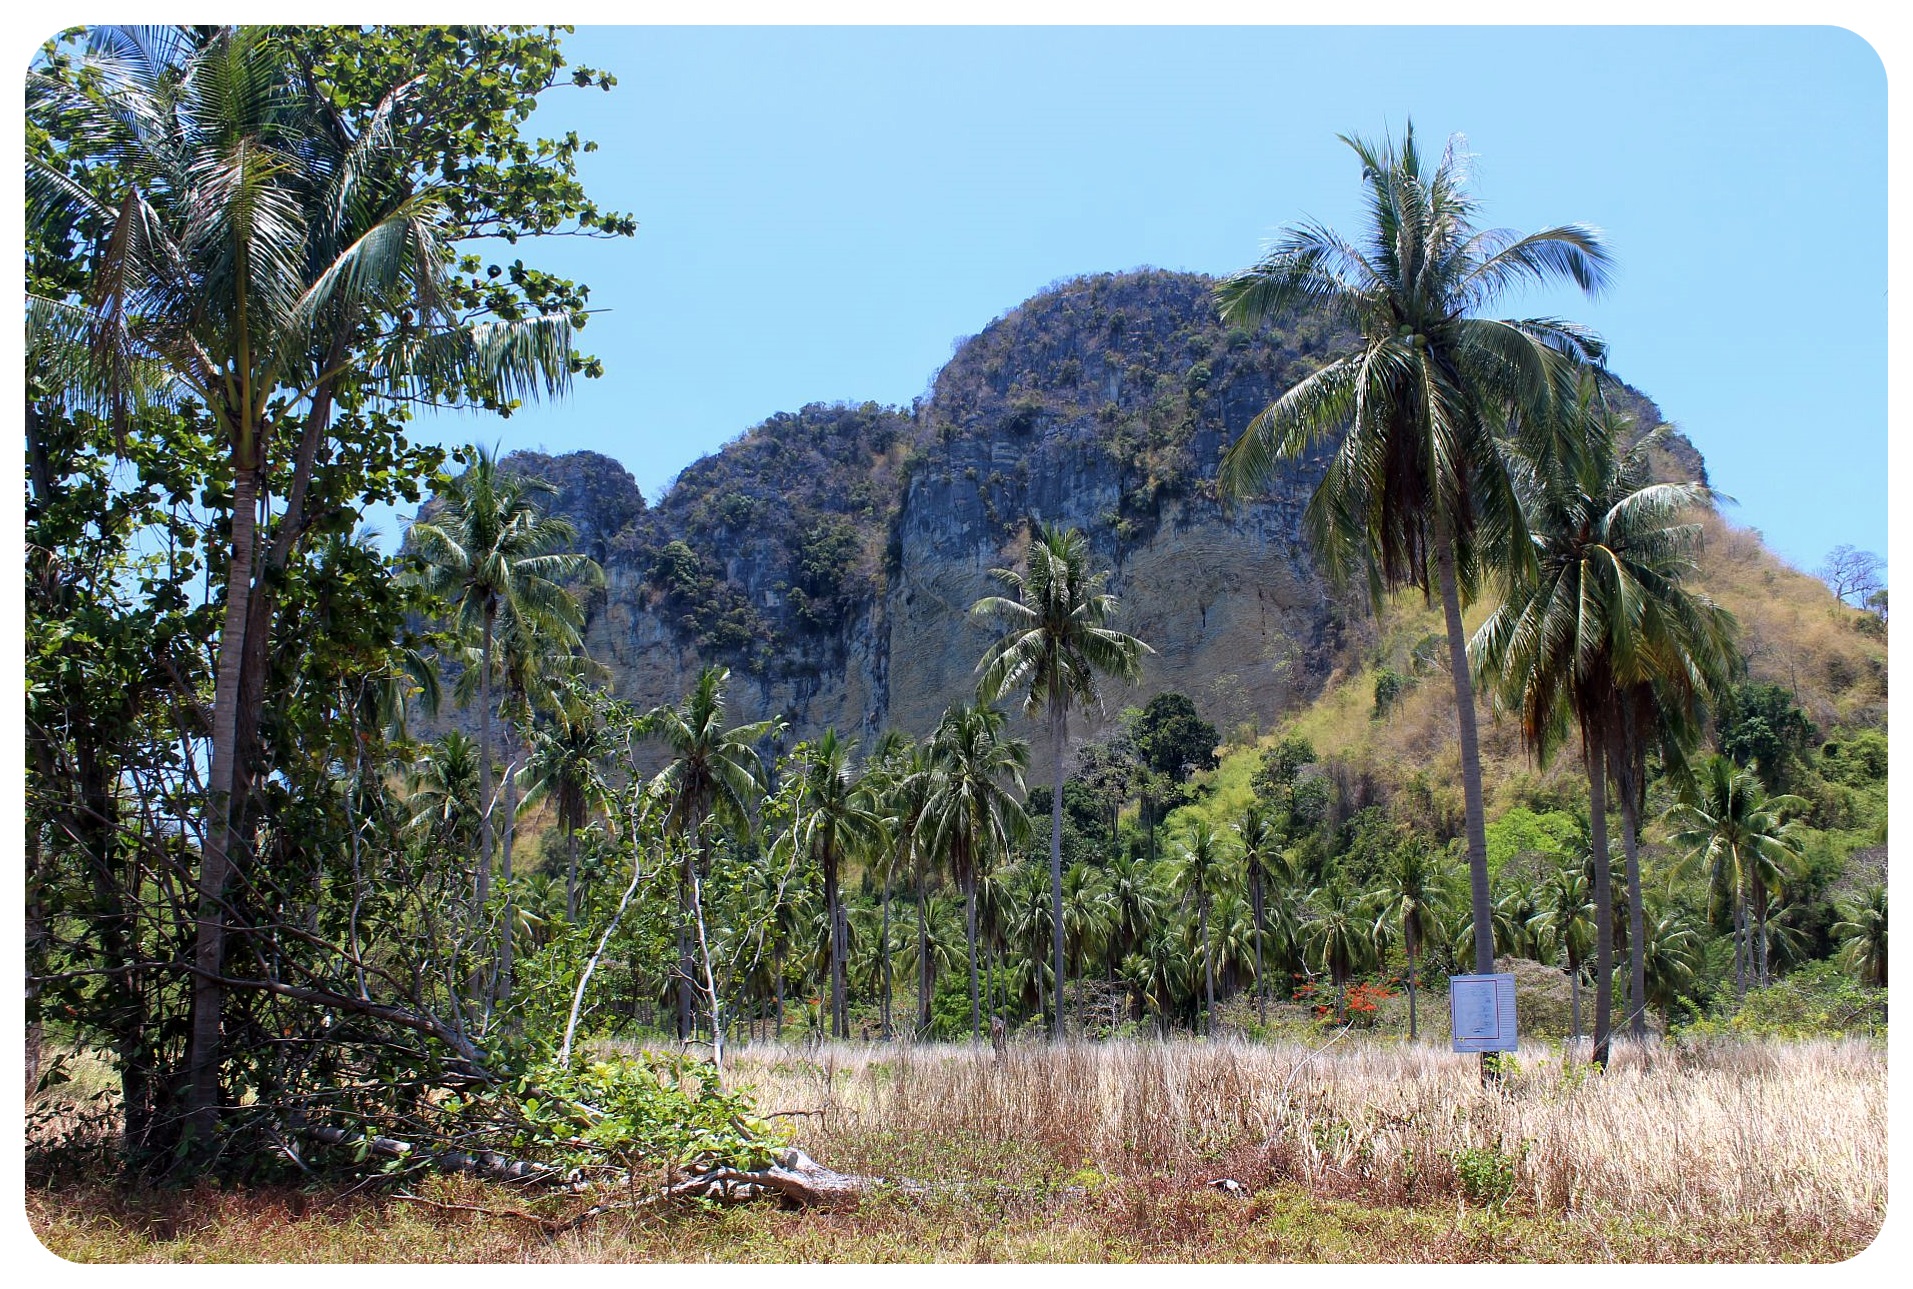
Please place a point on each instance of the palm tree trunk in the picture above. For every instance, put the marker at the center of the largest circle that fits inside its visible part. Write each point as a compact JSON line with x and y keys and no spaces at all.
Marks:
{"x":485,"y":769}
{"x":504,"y":859}
{"x":779,"y":957}
{"x":1261,"y":982}
{"x":1411,"y":996}
{"x":215,"y":867}
{"x":1574,"y":995}
{"x":571,"y":875}
{"x":883,"y":949}
{"x":969,"y":918}
{"x":1059,"y":725}
{"x":923,"y":960}
{"x":1636,"y":917}
{"x":1208,"y":969}
{"x":1740,"y":943}
{"x":686,"y":968}
{"x":835,"y":948}
{"x":1603,"y":901}
{"x":1475,"y":823}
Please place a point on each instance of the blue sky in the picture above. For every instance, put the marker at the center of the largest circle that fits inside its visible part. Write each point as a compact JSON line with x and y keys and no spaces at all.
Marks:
{"x":823,"y":212}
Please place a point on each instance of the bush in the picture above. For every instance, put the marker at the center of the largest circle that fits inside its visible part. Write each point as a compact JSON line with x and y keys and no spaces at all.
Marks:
{"x":1817,"y":1001}
{"x":1486,"y":1173}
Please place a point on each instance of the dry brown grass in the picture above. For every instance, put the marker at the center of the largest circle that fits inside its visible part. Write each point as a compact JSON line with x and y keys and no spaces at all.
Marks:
{"x":1741,"y":1152}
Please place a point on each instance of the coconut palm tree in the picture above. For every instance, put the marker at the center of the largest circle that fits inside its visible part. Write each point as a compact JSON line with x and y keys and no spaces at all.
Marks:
{"x":489,"y":549}
{"x":1413,"y":895}
{"x":974,"y":807}
{"x":1055,"y":648}
{"x":1566,"y":922}
{"x":1861,"y":931}
{"x":714,"y":772}
{"x":565,"y":768}
{"x":838,"y":818}
{"x":1600,"y":625}
{"x":1730,"y":827}
{"x":263,"y":259}
{"x":1261,"y":845}
{"x":1204,"y":869}
{"x":1341,"y":936}
{"x":1671,"y":950}
{"x":1418,"y":491}
{"x":444,"y":792}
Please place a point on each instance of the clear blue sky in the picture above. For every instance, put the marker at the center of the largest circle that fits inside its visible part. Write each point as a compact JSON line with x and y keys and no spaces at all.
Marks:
{"x":823,"y":212}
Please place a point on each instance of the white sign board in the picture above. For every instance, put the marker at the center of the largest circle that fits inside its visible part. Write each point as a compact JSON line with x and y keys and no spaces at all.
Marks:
{"x":1481,"y":1012}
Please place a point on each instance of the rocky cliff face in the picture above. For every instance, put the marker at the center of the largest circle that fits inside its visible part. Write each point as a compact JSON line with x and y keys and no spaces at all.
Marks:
{"x":830,"y":556}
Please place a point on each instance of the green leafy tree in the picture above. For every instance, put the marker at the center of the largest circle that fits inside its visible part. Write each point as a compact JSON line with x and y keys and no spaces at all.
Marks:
{"x":1055,"y":648}
{"x":273,"y":260}
{"x":1173,"y":738}
{"x":1418,"y":491}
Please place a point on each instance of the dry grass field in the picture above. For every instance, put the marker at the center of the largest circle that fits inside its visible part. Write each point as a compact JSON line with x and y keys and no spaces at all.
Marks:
{"x":1367,"y":1152}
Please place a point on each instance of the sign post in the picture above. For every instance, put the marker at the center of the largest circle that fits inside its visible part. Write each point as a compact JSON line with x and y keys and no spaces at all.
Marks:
{"x":1481,"y":1012}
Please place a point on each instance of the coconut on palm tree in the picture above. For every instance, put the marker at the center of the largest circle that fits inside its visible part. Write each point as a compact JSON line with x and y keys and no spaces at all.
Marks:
{"x":1417,"y":490}
{"x":1055,"y":649}
{"x":974,"y":808}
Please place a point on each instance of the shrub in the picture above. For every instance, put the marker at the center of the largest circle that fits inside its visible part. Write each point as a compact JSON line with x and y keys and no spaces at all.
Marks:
{"x":1486,"y":1173}
{"x":1817,"y":1001}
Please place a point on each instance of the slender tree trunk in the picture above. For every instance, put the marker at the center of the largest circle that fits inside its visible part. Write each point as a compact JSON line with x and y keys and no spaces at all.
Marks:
{"x":1411,"y":996}
{"x":505,"y":879}
{"x":204,"y":1046}
{"x":1574,"y":995}
{"x":1208,"y":967}
{"x":1475,"y":823}
{"x":571,"y":875}
{"x":686,"y":1014}
{"x":923,"y":959}
{"x":834,"y":953}
{"x":1636,"y":916}
{"x":1760,"y":930}
{"x":1261,"y":982}
{"x":1603,"y":902}
{"x":969,"y":917}
{"x":1740,"y":943}
{"x":485,"y":769}
{"x":1059,"y":729}
{"x":780,"y":988}
{"x":883,"y":948}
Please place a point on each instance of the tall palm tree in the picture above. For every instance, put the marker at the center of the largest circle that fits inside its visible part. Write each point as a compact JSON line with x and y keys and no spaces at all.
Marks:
{"x":490,"y":550}
{"x":1204,"y":869}
{"x":1599,"y":624}
{"x":1261,"y":852}
{"x":263,"y":259}
{"x":974,"y":807}
{"x":1413,"y":895}
{"x":1670,"y":948}
{"x":1567,"y":923}
{"x":1861,"y":931}
{"x":1055,"y":647}
{"x":1418,"y":491}
{"x":714,"y":772}
{"x":1730,"y":827}
{"x":565,"y":768}
{"x":837,"y":818}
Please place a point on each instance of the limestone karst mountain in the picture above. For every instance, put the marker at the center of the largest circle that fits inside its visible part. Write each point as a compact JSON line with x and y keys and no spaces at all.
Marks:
{"x":829,"y":556}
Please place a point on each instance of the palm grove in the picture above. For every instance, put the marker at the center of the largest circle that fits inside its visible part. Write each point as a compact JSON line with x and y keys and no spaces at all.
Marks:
{"x":281,"y":910}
